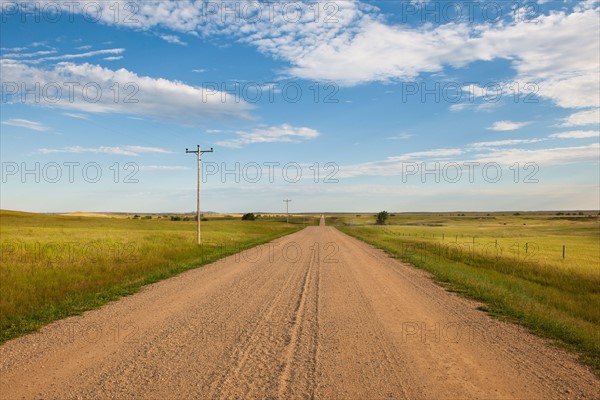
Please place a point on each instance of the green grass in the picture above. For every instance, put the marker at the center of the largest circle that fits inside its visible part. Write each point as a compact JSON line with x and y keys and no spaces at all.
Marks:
{"x":516,"y":266}
{"x":55,"y":266}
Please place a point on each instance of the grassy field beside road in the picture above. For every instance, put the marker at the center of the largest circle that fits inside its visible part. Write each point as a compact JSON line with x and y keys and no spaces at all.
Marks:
{"x":54,"y":266}
{"x":513,"y":263}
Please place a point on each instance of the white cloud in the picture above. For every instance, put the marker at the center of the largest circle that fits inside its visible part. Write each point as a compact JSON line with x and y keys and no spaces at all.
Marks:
{"x":116,"y":150}
{"x":63,"y":57}
{"x":543,"y":157}
{"x":508,"y":142}
{"x":402,"y":136}
{"x":434,"y":153}
{"x":507,"y":126}
{"x":377,"y":52}
{"x":113,"y":58}
{"x":558,"y":51}
{"x":173,"y":39}
{"x":29,"y":55}
{"x":144,"y":149}
{"x":281,"y":133}
{"x":576,"y":135}
{"x":25,"y":123}
{"x":398,"y":165}
{"x":75,"y":115}
{"x":582,"y":118}
{"x":13,"y":48}
{"x":459,"y":107}
{"x":163,"y":168}
{"x":139,"y":95}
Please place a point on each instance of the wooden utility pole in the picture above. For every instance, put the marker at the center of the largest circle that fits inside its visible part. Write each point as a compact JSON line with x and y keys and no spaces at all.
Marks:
{"x":199,"y":153}
{"x":287,"y":211}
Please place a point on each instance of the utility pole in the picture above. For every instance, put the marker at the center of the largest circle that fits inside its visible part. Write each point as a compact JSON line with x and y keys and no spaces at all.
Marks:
{"x":199,"y":153}
{"x":287,"y":211}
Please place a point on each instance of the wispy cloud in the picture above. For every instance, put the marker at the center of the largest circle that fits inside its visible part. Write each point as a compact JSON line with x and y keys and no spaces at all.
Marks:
{"x":88,"y":54}
{"x":29,"y":55}
{"x":116,"y":150}
{"x":402,"y":136}
{"x":163,"y":168}
{"x":434,"y":153}
{"x":397,"y":165}
{"x":507,"y":142}
{"x":77,"y":116}
{"x":507,"y":126}
{"x":13,"y":48}
{"x":582,"y":118}
{"x":173,"y":39}
{"x":155,"y":97}
{"x":144,"y":149}
{"x":281,"y":133}
{"x":25,"y":123}
{"x":576,"y":135}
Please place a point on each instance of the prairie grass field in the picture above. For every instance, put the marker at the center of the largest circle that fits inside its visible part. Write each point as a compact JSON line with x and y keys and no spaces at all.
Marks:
{"x":512,"y":263}
{"x":54,"y":266}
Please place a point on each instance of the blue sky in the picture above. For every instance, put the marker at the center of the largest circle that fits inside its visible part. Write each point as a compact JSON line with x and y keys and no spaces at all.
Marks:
{"x":499,"y":101}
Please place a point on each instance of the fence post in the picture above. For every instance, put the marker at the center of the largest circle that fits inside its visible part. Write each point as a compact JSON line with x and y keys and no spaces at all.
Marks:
{"x":564,"y":251}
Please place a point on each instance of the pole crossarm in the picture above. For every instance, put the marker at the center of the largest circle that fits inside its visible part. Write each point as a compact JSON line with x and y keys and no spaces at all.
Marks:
{"x":200,"y":151}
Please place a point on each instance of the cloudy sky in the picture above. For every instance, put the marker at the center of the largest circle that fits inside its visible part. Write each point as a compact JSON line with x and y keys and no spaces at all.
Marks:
{"x":337,"y":105}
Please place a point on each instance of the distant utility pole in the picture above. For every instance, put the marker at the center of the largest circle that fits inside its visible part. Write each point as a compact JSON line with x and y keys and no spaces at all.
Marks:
{"x":199,"y":155}
{"x":287,"y":211}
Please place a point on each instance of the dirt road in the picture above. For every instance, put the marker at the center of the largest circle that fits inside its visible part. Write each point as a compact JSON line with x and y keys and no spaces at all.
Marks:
{"x":316,"y":314}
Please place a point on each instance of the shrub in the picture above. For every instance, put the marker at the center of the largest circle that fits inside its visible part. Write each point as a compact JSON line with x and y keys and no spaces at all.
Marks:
{"x":248,"y":217}
{"x":381,"y":217}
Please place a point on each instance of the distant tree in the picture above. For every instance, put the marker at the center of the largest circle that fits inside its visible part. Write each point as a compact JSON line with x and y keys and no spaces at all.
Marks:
{"x":381,"y":217}
{"x":136,"y":216}
{"x":175,"y":218}
{"x":248,"y":217}
{"x":580,"y":212}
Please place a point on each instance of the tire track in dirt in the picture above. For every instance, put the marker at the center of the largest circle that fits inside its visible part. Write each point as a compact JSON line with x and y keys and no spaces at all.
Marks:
{"x":301,"y":326}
